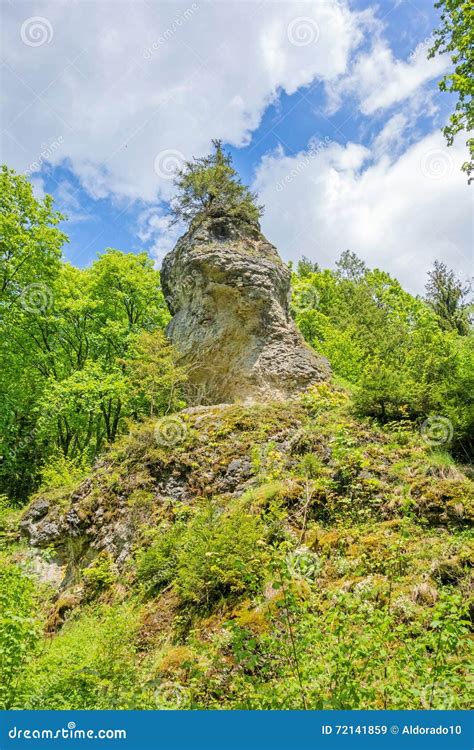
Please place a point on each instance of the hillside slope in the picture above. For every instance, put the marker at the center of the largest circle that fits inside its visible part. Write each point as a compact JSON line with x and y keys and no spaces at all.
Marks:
{"x":283,"y":555}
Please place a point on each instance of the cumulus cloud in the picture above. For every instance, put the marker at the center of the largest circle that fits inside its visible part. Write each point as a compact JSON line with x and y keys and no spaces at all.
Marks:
{"x":121,"y":83}
{"x":380,"y":80}
{"x":400,"y":215}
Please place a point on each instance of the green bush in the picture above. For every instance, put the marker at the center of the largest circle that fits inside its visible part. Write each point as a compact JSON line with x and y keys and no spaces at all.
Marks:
{"x":90,"y":664}
{"x":99,"y":575}
{"x":220,"y":553}
{"x":19,"y":631}
{"x":216,"y":554}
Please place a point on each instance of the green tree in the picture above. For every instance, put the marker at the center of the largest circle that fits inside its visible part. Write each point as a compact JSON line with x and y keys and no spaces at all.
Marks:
{"x":447,"y":296}
{"x":154,"y":373}
{"x":209,"y":186}
{"x":455,"y":35}
{"x":306,"y":266}
{"x":349,"y":266}
{"x":389,"y":346}
{"x":66,"y":333}
{"x":30,"y":244}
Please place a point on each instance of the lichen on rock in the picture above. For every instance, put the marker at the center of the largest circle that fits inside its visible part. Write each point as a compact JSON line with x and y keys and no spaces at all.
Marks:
{"x":228,"y":291}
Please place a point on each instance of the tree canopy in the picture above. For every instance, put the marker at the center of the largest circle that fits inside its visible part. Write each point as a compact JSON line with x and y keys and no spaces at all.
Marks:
{"x":455,"y":35}
{"x":210,"y":186}
{"x":69,"y":343}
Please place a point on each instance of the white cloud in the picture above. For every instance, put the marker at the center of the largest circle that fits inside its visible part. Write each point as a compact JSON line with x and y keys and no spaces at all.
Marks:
{"x":379,"y":80}
{"x":399,"y":216}
{"x":155,"y":230}
{"x":121,"y":82}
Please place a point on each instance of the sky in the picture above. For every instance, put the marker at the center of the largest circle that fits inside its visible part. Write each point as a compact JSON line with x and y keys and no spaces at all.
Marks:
{"x":330,"y":109}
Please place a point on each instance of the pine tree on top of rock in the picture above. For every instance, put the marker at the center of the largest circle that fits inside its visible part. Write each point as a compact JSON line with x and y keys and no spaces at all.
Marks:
{"x":210,"y":187}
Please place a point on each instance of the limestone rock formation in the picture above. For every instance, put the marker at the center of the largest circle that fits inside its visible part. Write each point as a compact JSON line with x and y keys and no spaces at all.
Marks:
{"x":228,"y":291}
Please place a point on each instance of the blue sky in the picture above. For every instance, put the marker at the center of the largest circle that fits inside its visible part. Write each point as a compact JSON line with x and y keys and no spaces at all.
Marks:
{"x":329,"y":108}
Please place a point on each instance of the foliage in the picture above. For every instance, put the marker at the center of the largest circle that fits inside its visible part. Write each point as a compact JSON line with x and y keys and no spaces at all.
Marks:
{"x":446,"y":295}
{"x":19,"y":631}
{"x":100,"y":574}
{"x":209,"y":186}
{"x":154,"y":373}
{"x":70,"y":370}
{"x":455,"y":35}
{"x":216,"y":554}
{"x":90,"y":665}
{"x":404,"y":357}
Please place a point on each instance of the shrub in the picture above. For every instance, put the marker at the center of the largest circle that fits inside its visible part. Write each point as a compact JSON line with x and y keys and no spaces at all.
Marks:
{"x":99,"y":575}
{"x":216,"y":554}
{"x":90,"y":664}
{"x":19,"y":631}
{"x":220,"y":553}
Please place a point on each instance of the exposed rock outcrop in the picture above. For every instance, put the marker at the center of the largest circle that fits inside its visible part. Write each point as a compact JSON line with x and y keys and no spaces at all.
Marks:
{"x":228,"y":291}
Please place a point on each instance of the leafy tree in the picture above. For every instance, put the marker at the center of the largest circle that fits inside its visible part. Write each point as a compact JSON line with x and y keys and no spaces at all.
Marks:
{"x":65,"y":386}
{"x":30,"y":242}
{"x":388,"y":346}
{"x":306,"y":266}
{"x":209,"y":186}
{"x":447,"y":295}
{"x":349,"y":266}
{"x":154,"y":374}
{"x":455,"y":35}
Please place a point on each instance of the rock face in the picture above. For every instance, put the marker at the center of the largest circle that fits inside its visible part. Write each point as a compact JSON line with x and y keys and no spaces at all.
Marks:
{"x":228,"y":291}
